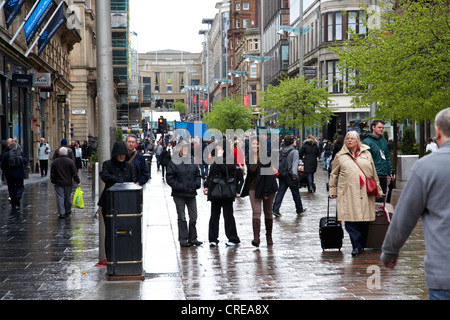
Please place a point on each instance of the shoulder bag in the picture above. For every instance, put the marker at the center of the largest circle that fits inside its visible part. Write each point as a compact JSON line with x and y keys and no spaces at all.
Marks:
{"x":371,"y":184}
{"x":224,"y":189}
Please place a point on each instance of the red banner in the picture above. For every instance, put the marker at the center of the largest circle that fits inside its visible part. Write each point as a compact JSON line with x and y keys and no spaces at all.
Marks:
{"x":246,"y":100}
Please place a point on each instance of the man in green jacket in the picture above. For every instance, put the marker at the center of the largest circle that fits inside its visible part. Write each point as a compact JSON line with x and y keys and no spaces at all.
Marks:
{"x":380,"y":153}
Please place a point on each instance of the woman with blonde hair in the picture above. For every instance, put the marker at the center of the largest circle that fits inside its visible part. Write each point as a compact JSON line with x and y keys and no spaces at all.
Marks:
{"x":355,"y":206}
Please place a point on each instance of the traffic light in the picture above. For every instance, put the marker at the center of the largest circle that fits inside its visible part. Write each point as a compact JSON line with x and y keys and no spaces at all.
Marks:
{"x":160,"y":125}
{"x":164,"y":125}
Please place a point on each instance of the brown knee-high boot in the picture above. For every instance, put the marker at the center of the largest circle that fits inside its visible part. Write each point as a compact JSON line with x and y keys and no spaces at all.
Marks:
{"x":269,"y":226}
{"x":256,"y":222}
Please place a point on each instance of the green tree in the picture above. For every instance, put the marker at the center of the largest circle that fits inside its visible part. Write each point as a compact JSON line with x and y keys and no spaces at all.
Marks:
{"x":179,"y":106}
{"x":229,"y":114}
{"x":403,"y":64}
{"x":297,"y":103}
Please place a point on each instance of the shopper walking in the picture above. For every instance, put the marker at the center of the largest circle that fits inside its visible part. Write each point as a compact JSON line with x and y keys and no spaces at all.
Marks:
{"x":164,"y":160}
{"x":309,"y":153}
{"x":63,"y":170}
{"x":425,"y":196}
{"x":380,"y":153}
{"x":220,"y":171}
{"x":13,"y":163}
{"x":261,"y":189}
{"x":42,"y":153}
{"x":288,"y":179}
{"x":240,"y":166}
{"x":183,"y":176}
{"x":63,"y":144}
{"x":348,"y":183}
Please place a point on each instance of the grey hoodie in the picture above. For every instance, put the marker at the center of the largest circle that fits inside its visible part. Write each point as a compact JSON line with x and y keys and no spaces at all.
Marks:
{"x":292,"y":159}
{"x":426,"y":195}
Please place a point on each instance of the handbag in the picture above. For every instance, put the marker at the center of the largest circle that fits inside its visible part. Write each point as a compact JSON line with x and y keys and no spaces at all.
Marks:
{"x":371,"y":184}
{"x":224,"y":189}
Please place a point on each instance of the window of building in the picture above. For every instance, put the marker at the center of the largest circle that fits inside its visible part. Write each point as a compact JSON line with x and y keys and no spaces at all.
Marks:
{"x":253,"y":95}
{"x":169,"y":82}
{"x":332,"y":26}
{"x":238,"y":6}
{"x":146,"y":88}
{"x":334,"y":77}
{"x":253,"y":70}
{"x":256,"y":44}
{"x":181,"y":80}
{"x":247,"y":23}
{"x":246,"y":6}
{"x":238,"y":23}
{"x":157,"y":76}
{"x":338,"y":26}
{"x":356,"y":23}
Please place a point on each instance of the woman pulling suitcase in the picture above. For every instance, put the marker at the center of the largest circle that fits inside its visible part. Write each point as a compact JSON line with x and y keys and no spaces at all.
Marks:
{"x":348,"y":183}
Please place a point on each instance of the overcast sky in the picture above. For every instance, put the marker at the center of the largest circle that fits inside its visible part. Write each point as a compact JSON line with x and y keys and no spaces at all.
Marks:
{"x":170,"y":24}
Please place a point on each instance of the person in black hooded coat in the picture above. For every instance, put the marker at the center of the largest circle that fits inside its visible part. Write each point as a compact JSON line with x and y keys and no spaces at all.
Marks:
{"x":115,"y":170}
{"x":309,"y":153}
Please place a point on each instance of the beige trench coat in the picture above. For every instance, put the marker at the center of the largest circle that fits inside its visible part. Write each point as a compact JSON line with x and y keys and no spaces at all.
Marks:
{"x":353,"y":202}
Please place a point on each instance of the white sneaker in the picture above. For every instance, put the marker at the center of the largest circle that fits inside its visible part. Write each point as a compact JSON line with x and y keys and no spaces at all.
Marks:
{"x":230,"y":244}
{"x":213,"y":244}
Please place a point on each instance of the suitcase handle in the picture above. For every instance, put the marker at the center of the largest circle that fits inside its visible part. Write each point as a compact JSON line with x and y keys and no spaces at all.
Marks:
{"x":328,"y":209}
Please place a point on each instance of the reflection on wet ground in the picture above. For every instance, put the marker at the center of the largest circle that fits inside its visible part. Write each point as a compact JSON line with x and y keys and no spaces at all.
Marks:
{"x":43,"y":257}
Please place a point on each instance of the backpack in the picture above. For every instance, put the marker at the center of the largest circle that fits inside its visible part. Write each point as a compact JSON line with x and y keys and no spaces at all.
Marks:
{"x":283,"y":168}
{"x":15,"y":159}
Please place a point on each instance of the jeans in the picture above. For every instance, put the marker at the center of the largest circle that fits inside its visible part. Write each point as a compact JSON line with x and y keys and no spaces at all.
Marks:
{"x":310,"y":177}
{"x":204,"y":170}
{"x":239,"y":180}
{"x":434,"y":294}
{"x":63,"y":199}
{"x":186,"y":233}
{"x":286,"y":183}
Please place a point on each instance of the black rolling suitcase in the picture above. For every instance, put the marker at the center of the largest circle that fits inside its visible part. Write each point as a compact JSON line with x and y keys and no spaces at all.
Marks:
{"x":330,"y":231}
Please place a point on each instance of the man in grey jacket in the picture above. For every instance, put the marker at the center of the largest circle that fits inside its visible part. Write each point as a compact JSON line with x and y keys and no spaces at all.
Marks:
{"x":426,"y":195}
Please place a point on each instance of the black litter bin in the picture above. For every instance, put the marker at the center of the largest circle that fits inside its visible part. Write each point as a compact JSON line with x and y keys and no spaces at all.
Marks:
{"x":124,"y":228}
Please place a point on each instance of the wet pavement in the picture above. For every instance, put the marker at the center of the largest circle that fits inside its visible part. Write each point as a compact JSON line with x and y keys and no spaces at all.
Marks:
{"x":46,"y":258}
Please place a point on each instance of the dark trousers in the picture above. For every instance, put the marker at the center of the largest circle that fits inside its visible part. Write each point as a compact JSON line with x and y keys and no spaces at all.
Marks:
{"x":43,"y":164}
{"x":228,"y":217}
{"x":186,"y":233}
{"x":239,"y":180}
{"x":286,"y":183}
{"x":383,"y":185}
{"x":15,"y":190}
{"x":358,"y":233}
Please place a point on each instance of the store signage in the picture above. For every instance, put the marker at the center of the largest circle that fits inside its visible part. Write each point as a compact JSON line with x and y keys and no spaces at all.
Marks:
{"x":42,"y":80}
{"x":22,"y":80}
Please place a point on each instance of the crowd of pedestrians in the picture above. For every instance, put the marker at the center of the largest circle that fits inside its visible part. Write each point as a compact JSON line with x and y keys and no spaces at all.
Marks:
{"x":228,"y":167}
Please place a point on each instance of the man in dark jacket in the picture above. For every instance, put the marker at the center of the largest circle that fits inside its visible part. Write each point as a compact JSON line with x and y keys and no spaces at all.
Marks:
{"x":291,"y":180}
{"x":13,"y":163}
{"x":62,"y":171}
{"x":136,"y":158}
{"x":183,"y":176}
{"x":70,"y":154}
